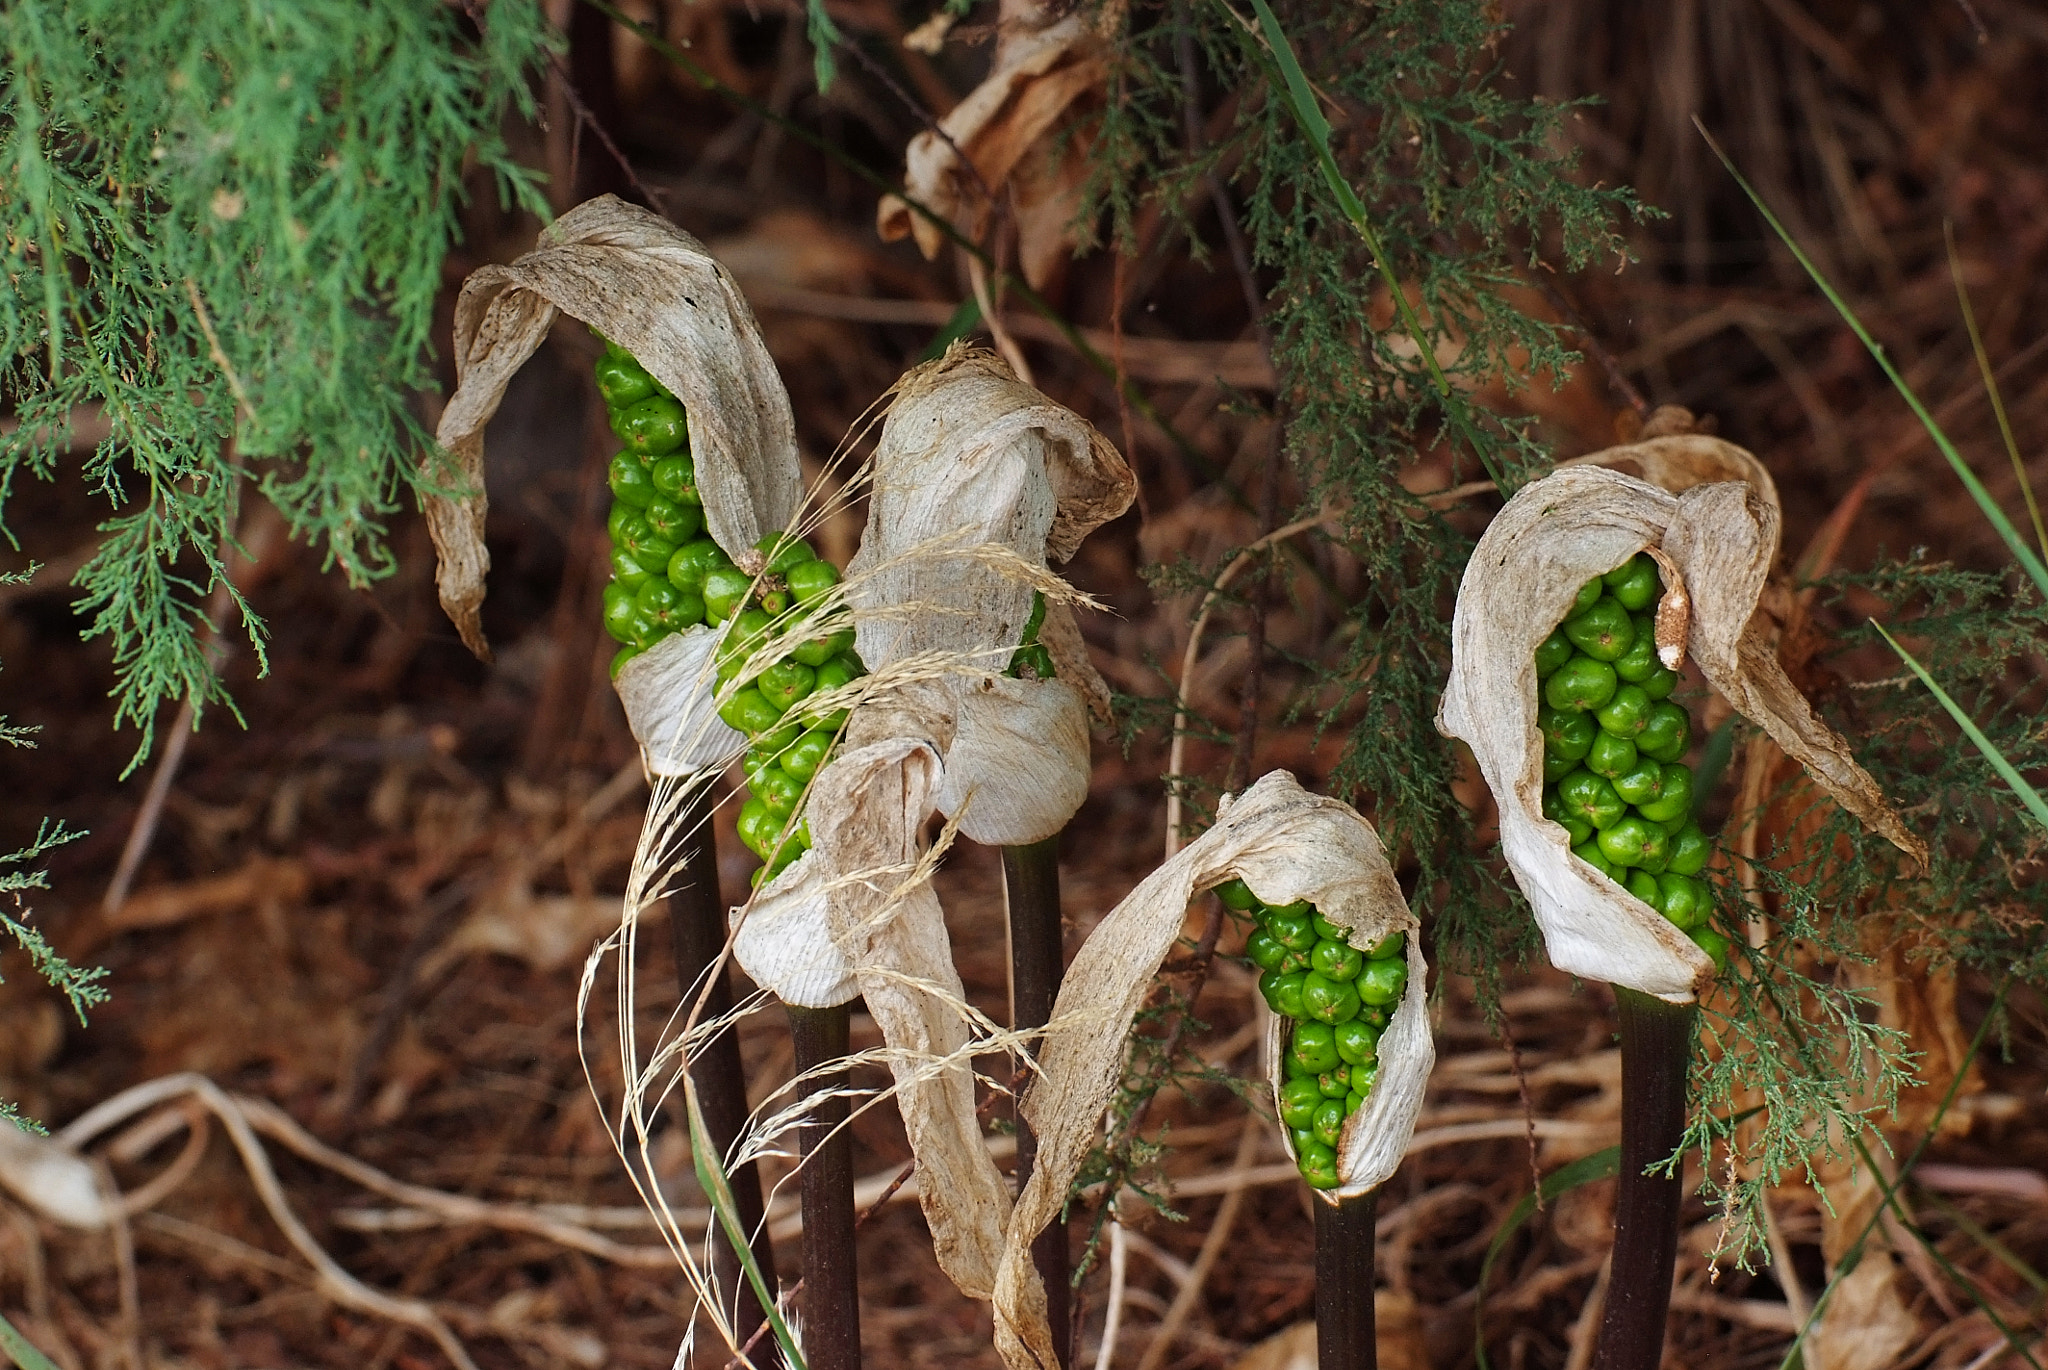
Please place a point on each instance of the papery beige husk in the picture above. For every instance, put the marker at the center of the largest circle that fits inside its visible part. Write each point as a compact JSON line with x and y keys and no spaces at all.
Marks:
{"x":1047,"y":63}
{"x":1287,"y":844}
{"x":976,"y":480}
{"x":1715,"y":542}
{"x":655,"y":291}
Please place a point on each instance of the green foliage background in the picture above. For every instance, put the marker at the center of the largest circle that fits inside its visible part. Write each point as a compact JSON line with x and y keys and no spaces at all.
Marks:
{"x":223,"y":225}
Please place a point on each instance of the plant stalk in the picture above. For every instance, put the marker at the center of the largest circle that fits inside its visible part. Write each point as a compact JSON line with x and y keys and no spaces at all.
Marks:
{"x":1031,"y":880}
{"x":697,"y":934}
{"x":831,"y":1325}
{"x":1346,"y":1338}
{"x":1656,"y":1049}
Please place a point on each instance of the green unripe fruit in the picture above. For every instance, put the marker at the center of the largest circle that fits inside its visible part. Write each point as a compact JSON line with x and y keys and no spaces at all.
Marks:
{"x":820,"y":650}
{"x":785,"y":552}
{"x":756,"y":762}
{"x":619,"y":605}
{"x":786,"y":682}
{"x":1318,"y":1166}
{"x":1300,"y":908}
{"x":1660,"y":683}
{"x":1683,"y":900}
{"x":1602,"y":632}
{"x":646,"y":632}
{"x":621,"y":657}
{"x":1634,"y":842}
{"x":647,"y":547}
{"x":1553,"y":652}
{"x":1283,"y":992}
{"x":692,"y":562}
{"x":1328,"y":931}
{"x":1590,"y":853}
{"x":1329,"y":1121}
{"x":780,"y":791}
{"x":1335,"y":960}
{"x":1643,"y":886}
{"x":1352,"y":1101}
{"x":1556,"y":768}
{"x":1294,"y":931}
{"x":1635,"y":583}
{"x":748,"y":634}
{"x":1689,"y":850}
{"x":615,"y":518}
{"x":622,"y":381}
{"x":1263,"y":951}
{"x":1639,"y":662}
{"x":1626,"y":713}
{"x":1581,"y":684}
{"x":1299,"y":1100}
{"x":807,"y":754}
{"x":673,"y":609}
{"x":675,"y":479}
{"x":1611,"y":756}
{"x":1590,"y":799}
{"x":1312,"y":1051}
{"x":1674,"y":802}
{"x":1358,"y":1042}
{"x":1381,"y":982}
{"x":1235,"y":894}
{"x":1644,"y":781}
{"x":1589,"y":595}
{"x":1393,"y":944}
{"x":1327,"y":1000}
{"x":1335,"y":1084}
{"x":654,"y":427}
{"x":725,"y":589}
{"x":676,"y":522}
{"x":1295,"y":961}
{"x":629,"y":481}
{"x":756,"y":826}
{"x":1666,"y":733}
{"x":1567,"y":733}
{"x":810,"y":580}
{"x":749,"y":712}
{"x":1713,"y":944}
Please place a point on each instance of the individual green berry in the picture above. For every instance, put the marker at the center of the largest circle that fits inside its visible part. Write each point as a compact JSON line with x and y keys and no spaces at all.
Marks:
{"x":780,"y":791}
{"x":1635,"y":583}
{"x":1581,"y":684}
{"x":787,"y":682}
{"x":692,"y":561}
{"x":1643,"y":886}
{"x":725,"y":589}
{"x":1590,"y":853}
{"x":1602,"y":632}
{"x":1626,"y":713}
{"x":757,"y":827}
{"x":1666,"y":734}
{"x":1318,"y":1166}
{"x":1358,"y":1042}
{"x":1237,"y":895}
{"x":1393,"y":944}
{"x":1553,"y":652}
{"x":1611,"y":756}
{"x":622,"y":656}
{"x":1263,"y":951}
{"x":1335,"y":1083}
{"x":1328,"y":931}
{"x":677,"y":522}
{"x":1660,"y":683}
{"x":675,"y":479}
{"x":1589,"y":595}
{"x":1299,"y":1100}
{"x":1329,"y":1121}
{"x":1591,"y":799}
{"x":1713,"y":944}
{"x":750,"y":712}
{"x":811,"y":580}
{"x":784,"y":551}
{"x":818,"y":650}
{"x":1640,"y":661}
{"x":1381,"y":982}
{"x":629,"y":481}
{"x":1283,"y":992}
{"x":1568,"y":733}
{"x":622,"y":381}
{"x":1312,"y":1050}
{"x":1335,"y":960}
{"x":1634,"y":842}
{"x":1327,"y":1000}
{"x":1690,"y":850}
{"x":1642,"y":782}
{"x":1576,"y":827}
{"x":1295,"y":931}
{"x":619,"y":607}
{"x":654,"y":427}
{"x":807,"y":754}
{"x":647,"y":547}
{"x":1674,"y":801}
{"x":1683,"y":900}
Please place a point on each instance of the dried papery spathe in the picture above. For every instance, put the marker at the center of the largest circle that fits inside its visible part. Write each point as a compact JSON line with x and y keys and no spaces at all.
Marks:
{"x":1287,"y":844}
{"x":976,"y":479}
{"x":1715,"y":543}
{"x":655,"y":291}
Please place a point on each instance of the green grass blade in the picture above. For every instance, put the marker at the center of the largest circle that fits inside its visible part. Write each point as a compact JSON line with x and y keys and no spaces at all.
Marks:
{"x":718,"y":1189}
{"x":18,"y":1349}
{"x":1301,"y":99}
{"x":1601,"y":1165}
{"x":2005,"y":1255}
{"x":2012,"y":447}
{"x":2022,"y":553}
{"x":2029,"y":796}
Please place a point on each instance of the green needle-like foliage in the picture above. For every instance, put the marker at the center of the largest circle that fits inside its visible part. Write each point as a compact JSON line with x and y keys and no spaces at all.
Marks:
{"x":222,"y":226}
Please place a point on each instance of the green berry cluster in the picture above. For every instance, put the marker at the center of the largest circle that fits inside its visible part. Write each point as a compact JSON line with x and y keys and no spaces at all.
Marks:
{"x":667,"y":576}
{"x":1612,"y":739}
{"x":659,"y":551}
{"x":1337,"y":1000}
{"x":1031,"y":658}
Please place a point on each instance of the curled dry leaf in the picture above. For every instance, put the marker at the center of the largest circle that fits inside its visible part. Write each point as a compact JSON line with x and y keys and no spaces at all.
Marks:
{"x":1717,"y":541}
{"x":1287,"y":844}
{"x":654,"y":290}
{"x":976,"y":480}
{"x":1048,"y":66}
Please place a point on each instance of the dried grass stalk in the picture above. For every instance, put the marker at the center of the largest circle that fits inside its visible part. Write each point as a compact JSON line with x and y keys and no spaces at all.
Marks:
{"x":1287,"y":844}
{"x":656,"y":291}
{"x":1715,"y":542}
{"x":975,"y":481}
